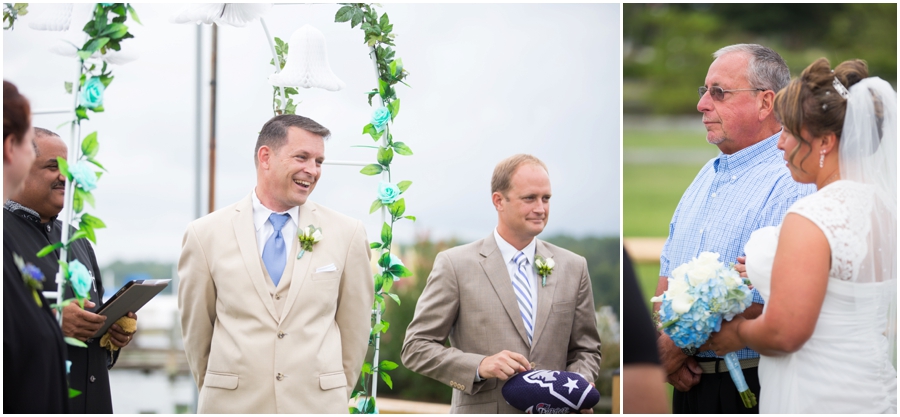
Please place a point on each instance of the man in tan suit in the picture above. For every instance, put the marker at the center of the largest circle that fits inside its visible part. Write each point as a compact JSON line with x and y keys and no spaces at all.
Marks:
{"x":488,"y":299}
{"x":267,"y":330}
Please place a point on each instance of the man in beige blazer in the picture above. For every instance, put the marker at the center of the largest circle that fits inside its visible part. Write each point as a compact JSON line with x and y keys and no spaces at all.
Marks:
{"x":496,"y":331}
{"x":263,"y":341}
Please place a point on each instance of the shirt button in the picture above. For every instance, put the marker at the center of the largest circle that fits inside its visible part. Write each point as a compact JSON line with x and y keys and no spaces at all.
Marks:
{"x":93,"y":378}
{"x":281,"y":335}
{"x":733,"y":177}
{"x":701,"y":231}
{"x":277,"y":296}
{"x":280,"y":376}
{"x":48,"y":227}
{"x":714,"y":195}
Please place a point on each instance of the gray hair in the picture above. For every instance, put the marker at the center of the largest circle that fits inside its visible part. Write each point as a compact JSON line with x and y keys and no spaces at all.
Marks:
{"x":766,"y":69}
{"x":274,"y":132}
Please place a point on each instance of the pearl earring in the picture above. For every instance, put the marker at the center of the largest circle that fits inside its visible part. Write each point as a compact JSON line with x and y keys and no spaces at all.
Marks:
{"x":822,"y":159}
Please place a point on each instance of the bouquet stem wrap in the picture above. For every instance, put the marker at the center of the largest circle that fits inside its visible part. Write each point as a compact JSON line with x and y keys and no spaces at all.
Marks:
{"x":737,"y":375}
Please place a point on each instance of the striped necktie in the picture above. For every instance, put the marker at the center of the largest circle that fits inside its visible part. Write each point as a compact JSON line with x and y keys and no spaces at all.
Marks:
{"x":523,"y":293}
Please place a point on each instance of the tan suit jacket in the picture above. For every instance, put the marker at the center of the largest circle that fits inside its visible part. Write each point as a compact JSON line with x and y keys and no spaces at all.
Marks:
{"x":256,"y":349}
{"x":469,"y":299}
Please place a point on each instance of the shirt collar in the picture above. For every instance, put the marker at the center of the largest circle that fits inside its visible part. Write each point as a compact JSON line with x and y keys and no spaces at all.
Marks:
{"x":508,"y":252}
{"x":749,"y":156}
{"x":26,"y":212}
{"x":261,"y":213}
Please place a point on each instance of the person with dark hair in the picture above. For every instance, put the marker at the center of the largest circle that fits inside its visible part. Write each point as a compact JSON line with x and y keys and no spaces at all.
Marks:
{"x":828,"y":273}
{"x":500,"y":316}
{"x":34,"y":353}
{"x":270,"y":327}
{"x":744,"y":188}
{"x":30,"y":223}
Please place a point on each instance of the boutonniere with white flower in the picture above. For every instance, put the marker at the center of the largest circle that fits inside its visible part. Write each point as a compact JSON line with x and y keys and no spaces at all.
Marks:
{"x":33,"y":277}
{"x":308,"y":237}
{"x":544,"y":267}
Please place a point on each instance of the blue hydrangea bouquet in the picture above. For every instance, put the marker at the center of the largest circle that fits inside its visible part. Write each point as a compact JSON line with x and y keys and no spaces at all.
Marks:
{"x":701,"y":293}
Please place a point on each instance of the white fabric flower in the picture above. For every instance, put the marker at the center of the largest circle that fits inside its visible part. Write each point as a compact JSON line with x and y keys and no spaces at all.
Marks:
{"x":678,"y":293}
{"x":54,"y":17}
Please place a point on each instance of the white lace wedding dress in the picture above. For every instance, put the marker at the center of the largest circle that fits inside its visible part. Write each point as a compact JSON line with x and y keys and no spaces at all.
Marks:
{"x":845,"y":366}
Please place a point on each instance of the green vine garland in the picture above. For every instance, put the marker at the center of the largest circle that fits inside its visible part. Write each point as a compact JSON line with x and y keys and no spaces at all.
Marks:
{"x":380,"y":39}
{"x":104,"y":33}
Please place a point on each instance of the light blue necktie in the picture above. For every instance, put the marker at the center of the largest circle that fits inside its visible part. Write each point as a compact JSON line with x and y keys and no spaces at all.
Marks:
{"x":274,"y":255}
{"x":523,"y":293}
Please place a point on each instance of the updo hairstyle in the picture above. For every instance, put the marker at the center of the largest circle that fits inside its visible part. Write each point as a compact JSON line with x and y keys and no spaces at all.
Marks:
{"x":811,"y":101}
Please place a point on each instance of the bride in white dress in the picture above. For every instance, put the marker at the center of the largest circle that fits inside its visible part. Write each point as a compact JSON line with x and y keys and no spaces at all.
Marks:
{"x":828,"y":273}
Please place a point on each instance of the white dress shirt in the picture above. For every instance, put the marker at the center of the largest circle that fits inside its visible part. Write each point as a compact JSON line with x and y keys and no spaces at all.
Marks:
{"x":264,"y":228}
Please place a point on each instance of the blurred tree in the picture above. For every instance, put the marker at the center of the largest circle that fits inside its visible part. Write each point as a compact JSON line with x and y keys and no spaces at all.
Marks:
{"x":668,"y":47}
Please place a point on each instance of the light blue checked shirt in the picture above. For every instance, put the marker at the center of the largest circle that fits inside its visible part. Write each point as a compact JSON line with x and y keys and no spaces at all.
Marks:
{"x":732,"y":196}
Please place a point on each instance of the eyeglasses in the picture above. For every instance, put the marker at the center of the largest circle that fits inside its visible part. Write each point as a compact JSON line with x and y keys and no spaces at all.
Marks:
{"x":718,"y":94}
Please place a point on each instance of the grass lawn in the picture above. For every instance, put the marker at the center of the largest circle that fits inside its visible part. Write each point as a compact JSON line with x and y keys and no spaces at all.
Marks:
{"x":650,"y":194}
{"x":654,"y":138}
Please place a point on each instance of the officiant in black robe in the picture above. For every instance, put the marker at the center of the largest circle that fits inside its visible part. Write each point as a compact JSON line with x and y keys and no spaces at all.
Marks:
{"x":30,"y":224}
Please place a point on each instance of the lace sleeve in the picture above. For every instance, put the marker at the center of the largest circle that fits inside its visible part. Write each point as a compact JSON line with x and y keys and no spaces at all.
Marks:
{"x":842,"y":211}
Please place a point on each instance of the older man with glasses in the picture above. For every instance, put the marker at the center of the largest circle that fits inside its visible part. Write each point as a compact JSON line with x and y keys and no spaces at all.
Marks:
{"x":746,"y":187}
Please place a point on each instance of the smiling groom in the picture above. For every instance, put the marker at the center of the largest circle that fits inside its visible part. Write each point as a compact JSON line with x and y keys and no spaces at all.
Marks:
{"x":268,"y":329}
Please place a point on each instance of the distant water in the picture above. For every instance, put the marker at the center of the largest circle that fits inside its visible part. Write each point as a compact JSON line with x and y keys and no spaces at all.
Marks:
{"x":152,"y":392}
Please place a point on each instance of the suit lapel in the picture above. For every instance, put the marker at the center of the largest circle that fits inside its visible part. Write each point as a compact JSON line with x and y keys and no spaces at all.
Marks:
{"x":545,"y":293}
{"x":306,"y":217}
{"x":245,"y":233}
{"x":495,"y":269}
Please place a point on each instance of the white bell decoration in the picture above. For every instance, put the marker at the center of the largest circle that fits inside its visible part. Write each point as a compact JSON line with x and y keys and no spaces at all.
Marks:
{"x":50,"y":16}
{"x":231,"y":14}
{"x":307,"y":63}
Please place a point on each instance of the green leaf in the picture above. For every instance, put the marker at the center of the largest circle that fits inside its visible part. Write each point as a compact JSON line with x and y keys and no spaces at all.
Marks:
{"x":375,"y":206}
{"x":134,"y":15}
{"x":84,"y":55}
{"x":49,"y":248}
{"x":98,"y":109}
{"x":68,"y":85}
{"x":382,"y":88}
{"x":353,"y":410}
{"x":395,"y":298}
{"x":374,"y":133}
{"x":92,"y":221}
{"x":387,"y":379}
{"x":375,"y":245}
{"x":413,"y":218}
{"x":88,"y":232}
{"x":402,"y":149}
{"x":115,"y":31}
{"x":77,"y":200}
{"x":394,"y":107}
{"x":106,"y":80}
{"x":90,"y":146}
{"x":95,"y":45}
{"x":344,"y":14}
{"x":77,"y":235}
{"x":81,"y":113}
{"x":371,"y":169}
{"x":377,"y":329}
{"x":387,"y":365}
{"x":397,"y":208}
{"x":63,"y":167}
{"x":64,"y":268}
{"x":280,"y":43}
{"x":403,"y":186}
{"x":74,"y":392}
{"x":400,"y":271}
{"x":385,"y":156}
{"x":387,"y":284}
{"x":75,"y":342}
{"x":384,"y":260}
{"x":379,"y":282}
{"x":386,"y":234}
{"x":367,"y":368}
{"x":93,"y":161}
{"x":356,"y":17}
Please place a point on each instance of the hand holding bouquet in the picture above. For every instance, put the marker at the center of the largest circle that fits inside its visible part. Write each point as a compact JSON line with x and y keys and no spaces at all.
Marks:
{"x":701,"y":293}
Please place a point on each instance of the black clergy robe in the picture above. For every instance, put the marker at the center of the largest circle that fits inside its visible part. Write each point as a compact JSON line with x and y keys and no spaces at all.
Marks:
{"x":89,"y":372}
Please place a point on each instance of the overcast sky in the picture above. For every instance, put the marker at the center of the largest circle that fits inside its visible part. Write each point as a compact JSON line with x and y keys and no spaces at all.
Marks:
{"x":487,"y":81}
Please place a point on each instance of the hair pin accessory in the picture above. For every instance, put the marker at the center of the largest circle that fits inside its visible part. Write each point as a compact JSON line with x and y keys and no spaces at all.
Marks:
{"x":841,"y":89}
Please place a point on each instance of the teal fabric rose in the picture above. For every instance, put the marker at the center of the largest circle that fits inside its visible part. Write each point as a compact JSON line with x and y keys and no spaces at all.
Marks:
{"x":84,"y":176}
{"x":380,"y":118}
{"x":80,"y":278}
{"x":92,"y":93}
{"x":388,"y":193}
